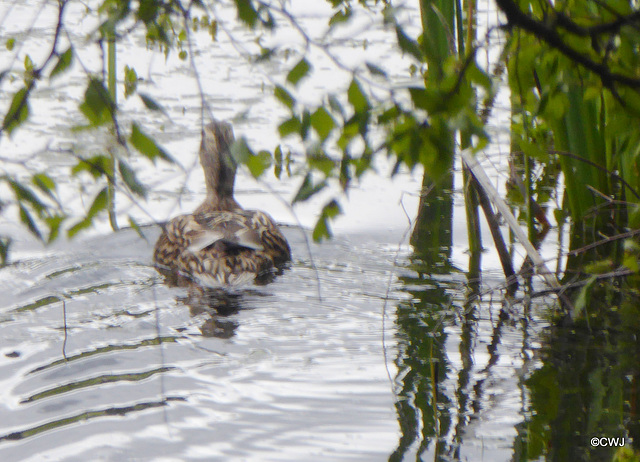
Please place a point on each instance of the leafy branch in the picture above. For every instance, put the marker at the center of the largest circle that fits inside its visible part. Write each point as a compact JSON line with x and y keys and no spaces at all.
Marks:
{"x":19,"y":109}
{"x":547,"y":31}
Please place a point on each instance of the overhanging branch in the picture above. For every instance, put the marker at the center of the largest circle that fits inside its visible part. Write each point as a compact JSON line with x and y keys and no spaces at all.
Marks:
{"x":549,"y":34}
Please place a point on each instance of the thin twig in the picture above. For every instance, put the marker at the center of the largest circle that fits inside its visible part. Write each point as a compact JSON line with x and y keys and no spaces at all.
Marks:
{"x":64,"y":317}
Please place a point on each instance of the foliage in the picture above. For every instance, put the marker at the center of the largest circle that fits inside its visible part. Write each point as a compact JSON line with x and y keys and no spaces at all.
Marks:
{"x":571,"y":69}
{"x":35,"y":194}
{"x":576,"y":78}
{"x":337,"y":136}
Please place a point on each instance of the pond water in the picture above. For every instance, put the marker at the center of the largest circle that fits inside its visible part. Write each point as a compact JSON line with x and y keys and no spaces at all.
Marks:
{"x":355,"y":353}
{"x":152,"y":372}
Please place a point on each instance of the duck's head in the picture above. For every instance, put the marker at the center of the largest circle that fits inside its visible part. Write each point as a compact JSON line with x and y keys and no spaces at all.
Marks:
{"x":218,"y":164}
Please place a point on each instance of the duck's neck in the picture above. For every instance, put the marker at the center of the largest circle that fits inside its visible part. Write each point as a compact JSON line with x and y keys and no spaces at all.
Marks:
{"x":214,"y":203}
{"x":219,"y":177}
{"x":219,"y":168}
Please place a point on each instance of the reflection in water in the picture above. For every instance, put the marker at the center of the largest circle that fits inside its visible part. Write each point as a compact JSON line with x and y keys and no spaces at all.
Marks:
{"x":217,"y":304}
{"x":586,"y":387}
{"x":422,"y":359}
{"x":83,"y":417}
{"x":422,"y":366}
{"x":571,"y":383}
{"x":431,"y":237}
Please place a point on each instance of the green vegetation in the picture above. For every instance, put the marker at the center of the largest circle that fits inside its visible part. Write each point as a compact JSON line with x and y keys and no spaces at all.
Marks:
{"x":572,"y":68}
{"x":573,"y":71}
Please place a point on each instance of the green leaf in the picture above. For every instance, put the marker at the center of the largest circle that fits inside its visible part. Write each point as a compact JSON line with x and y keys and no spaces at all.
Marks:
{"x":23,"y":193}
{"x":299,"y":71}
{"x":422,"y":99}
{"x":305,"y":124}
{"x":64,"y":61}
{"x":130,"y":81}
{"x":332,"y":209}
{"x":265,"y":54}
{"x":321,"y":230}
{"x":246,"y":12}
{"x":322,"y":122}
{"x":240,"y":151}
{"x":407,"y":44}
{"x":357,"y":97}
{"x":11,"y":43}
{"x":277,"y":155}
{"x":345,"y":170}
{"x":375,"y":70}
{"x":349,"y":132}
{"x":213,"y":30}
{"x":479,"y":76}
{"x":136,"y":227}
{"x":28,"y":220}
{"x":99,"y":203}
{"x":583,"y":297}
{"x":532,"y":149}
{"x":97,"y":106}
{"x":18,"y":111}
{"x":54,"y":223}
{"x":28,"y":67}
{"x":390,"y":115}
{"x":284,"y":96}
{"x":282,"y":162}
{"x":97,"y":166}
{"x":340,"y":17}
{"x":631,"y":262}
{"x":130,"y":179}
{"x":151,"y":103}
{"x":146,"y":146}
{"x":258,"y":163}
{"x":5,"y":244}
{"x":44,"y":183}
{"x":335,"y":105}
{"x":362,"y":164}
{"x":318,"y":159}
{"x":289,"y":126}
{"x":308,"y":189}
{"x":148,"y":11}
{"x":329,"y":212}
{"x":75,"y":229}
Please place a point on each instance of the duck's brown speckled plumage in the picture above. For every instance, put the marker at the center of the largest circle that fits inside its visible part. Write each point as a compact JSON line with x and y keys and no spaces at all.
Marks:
{"x":220,"y":244}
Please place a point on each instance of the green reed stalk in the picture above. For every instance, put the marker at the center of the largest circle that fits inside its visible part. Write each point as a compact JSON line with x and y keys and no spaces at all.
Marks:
{"x":472,"y":211}
{"x":111,"y":82}
{"x":581,"y":132}
{"x":435,"y":211}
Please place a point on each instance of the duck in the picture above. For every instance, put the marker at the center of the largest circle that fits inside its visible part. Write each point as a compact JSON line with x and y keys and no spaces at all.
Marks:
{"x":220,"y":244}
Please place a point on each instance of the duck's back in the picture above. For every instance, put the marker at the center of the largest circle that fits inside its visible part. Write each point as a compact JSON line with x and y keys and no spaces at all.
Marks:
{"x":220,"y":248}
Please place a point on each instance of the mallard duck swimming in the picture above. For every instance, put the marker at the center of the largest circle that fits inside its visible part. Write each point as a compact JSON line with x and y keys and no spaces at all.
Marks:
{"x":220,"y":244}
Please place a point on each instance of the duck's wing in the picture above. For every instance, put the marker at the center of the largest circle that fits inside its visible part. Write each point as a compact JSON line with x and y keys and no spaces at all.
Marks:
{"x":173,"y":240}
{"x":222,"y":248}
{"x":272,"y":239}
{"x":232,"y":228}
{"x":250,"y":229}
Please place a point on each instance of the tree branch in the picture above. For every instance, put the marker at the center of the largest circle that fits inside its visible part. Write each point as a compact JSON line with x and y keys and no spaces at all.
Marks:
{"x":549,"y":34}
